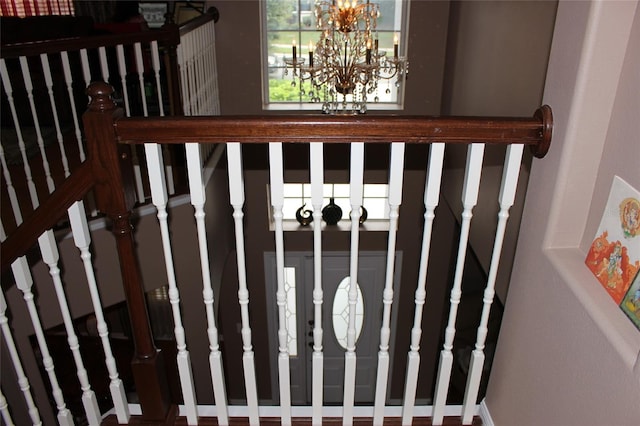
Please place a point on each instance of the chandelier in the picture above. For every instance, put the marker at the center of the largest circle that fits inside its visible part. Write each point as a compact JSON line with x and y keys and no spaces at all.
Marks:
{"x":345,"y":66}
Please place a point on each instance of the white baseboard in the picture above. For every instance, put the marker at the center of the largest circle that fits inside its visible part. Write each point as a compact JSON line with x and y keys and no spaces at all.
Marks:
{"x":485,"y":415}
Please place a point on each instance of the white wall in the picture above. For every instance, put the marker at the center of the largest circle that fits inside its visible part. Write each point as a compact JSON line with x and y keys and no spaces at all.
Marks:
{"x":567,"y":355}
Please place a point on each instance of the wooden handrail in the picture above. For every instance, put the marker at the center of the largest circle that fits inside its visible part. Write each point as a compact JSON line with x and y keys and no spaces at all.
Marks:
{"x":535,"y":131}
{"x":211,"y":14}
{"x":47,"y":215}
{"x":164,"y":35}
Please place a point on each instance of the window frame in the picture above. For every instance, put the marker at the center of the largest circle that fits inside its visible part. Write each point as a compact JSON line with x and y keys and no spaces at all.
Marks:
{"x":305,"y":105}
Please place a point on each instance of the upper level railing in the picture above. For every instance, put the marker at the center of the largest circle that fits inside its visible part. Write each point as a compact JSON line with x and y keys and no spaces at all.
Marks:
{"x":108,"y":171}
{"x":153,"y":72}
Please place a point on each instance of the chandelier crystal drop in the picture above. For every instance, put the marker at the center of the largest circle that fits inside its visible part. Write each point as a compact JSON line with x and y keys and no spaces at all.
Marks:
{"x":346,"y":66}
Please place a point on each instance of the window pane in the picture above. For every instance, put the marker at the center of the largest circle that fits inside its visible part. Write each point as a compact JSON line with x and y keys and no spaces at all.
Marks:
{"x":340,"y":312}
{"x":345,"y":205}
{"x":282,"y":14}
{"x":290,"y":310}
{"x":377,"y":208}
{"x":378,"y":190}
{"x":387,"y":19}
{"x":341,"y":190}
{"x":292,"y":190}
{"x":306,"y":188}
{"x":291,"y":205}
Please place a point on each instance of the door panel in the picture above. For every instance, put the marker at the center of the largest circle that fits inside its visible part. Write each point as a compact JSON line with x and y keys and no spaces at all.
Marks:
{"x":335,"y":265}
{"x":371,"y":271}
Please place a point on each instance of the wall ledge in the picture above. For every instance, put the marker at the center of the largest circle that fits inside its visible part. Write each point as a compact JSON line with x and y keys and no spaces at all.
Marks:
{"x":613,"y":323}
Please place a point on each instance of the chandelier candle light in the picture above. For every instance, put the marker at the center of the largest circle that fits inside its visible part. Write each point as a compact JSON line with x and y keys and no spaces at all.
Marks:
{"x":346,"y":65}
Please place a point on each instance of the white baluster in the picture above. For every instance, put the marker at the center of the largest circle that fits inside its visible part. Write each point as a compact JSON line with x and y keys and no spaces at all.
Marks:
{"x":396,"y":172}
{"x":24,"y":282}
{"x":86,"y":73}
{"x":276,"y":176}
{"x":104,"y":63}
{"x":198,"y":198}
{"x":137,"y":47}
{"x":208,"y":95}
{"x":4,"y":410}
{"x":431,"y":197}
{"x":469,"y":199}
{"x":236,"y":195}
{"x":184,"y":81}
{"x":82,"y":240}
{"x":197,"y":61}
{"x":86,"y":68}
{"x":215,"y":98}
{"x":316,"y":162}
{"x":137,"y":173}
{"x":193,"y":41}
{"x":122,"y":70}
{"x":188,"y":94}
{"x":26,"y":75}
{"x":13,"y":197}
{"x":506,"y":198}
{"x":189,"y":59}
{"x":64,"y":57}
{"x":50,"y":256}
{"x":159,"y":198}
{"x":204,"y":100}
{"x":6,"y":83}
{"x":44,"y":59}
{"x":155,"y":63}
{"x":356,"y":188}
{"x":23,"y":382}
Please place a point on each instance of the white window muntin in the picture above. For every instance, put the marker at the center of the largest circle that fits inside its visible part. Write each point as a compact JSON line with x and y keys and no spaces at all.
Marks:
{"x":375,"y":199}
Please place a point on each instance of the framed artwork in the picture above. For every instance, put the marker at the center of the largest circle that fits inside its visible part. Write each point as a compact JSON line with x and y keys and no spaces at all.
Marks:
{"x":187,"y":10}
{"x":614,"y":255}
{"x":631,"y":303}
{"x":153,"y":13}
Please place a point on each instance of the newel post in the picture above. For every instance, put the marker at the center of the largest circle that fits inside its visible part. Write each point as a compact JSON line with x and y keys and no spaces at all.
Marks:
{"x":115,"y":196}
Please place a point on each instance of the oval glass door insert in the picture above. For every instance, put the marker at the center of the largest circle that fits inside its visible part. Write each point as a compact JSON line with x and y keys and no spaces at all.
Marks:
{"x":340,"y":312}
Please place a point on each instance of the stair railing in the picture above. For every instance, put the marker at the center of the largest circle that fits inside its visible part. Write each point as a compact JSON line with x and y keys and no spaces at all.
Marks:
{"x":108,"y":171}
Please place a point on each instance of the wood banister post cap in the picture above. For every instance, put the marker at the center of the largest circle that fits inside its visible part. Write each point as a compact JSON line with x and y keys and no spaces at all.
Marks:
{"x":215,"y":13}
{"x":100,"y":94}
{"x":545,"y":115}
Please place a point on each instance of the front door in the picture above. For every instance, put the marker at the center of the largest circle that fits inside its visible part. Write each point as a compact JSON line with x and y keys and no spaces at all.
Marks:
{"x":335,"y":276}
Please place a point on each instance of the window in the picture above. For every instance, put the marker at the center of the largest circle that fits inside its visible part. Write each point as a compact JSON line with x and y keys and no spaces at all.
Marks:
{"x":374,"y":200}
{"x":24,"y":8}
{"x":290,"y":313}
{"x":340,"y":312}
{"x":288,"y":21}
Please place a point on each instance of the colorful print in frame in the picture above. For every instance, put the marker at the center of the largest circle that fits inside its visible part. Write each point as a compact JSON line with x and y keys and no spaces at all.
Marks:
{"x":614,"y":255}
{"x":631,"y":303}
